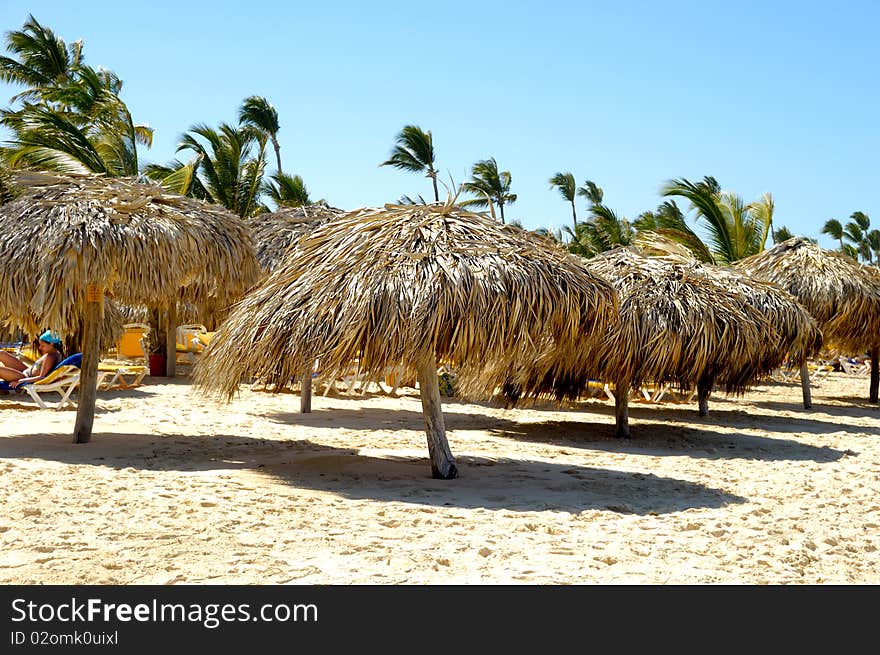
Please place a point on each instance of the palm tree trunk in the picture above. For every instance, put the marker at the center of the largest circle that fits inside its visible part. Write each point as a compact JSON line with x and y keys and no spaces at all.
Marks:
{"x":574,"y":218}
{"x":501,"y":207}
{"x":277,"y":153}
{"x":434,"y":180}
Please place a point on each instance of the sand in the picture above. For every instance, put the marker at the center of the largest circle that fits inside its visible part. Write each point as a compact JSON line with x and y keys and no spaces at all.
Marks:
{"x":177,"y":489}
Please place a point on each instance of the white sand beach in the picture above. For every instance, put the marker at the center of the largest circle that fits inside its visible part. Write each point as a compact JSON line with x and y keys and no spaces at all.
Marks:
{"x":177,"y":489}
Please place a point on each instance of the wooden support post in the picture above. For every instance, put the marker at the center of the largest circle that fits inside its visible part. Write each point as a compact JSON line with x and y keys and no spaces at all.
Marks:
{"x":88,"y":381}
{"x":442,"y":463}
{"x":621,"y":409}
{"x":875,"y":374}
{"x":305,"y":394}
{"x":805,"y":385}
{"x":704,"y":388}
{"x":171,"y":340}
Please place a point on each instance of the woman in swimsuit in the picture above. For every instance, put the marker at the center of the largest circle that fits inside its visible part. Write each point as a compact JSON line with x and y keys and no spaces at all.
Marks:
{"x":16,"y":372}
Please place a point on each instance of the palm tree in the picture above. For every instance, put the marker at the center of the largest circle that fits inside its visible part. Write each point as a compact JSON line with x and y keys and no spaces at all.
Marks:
{"x":224,"y":169}
{"x":408,"y":200}
{"x":5,"y":186}
{"x":568,"y":189}
{"x":489,"y":185}
{"x":288,"y":191}
{"x":782,"y":234}
{"x":591,"y":192}
{"x":603,"y":231}
{"x":414,"y":151}
{"x":736,"y":229}
{"x":258,"y":113}
{"x":855,"y":237}
{"x":873,"y":238}
{"x":856,"y":232}
{"x":44,"y":59}
{"x":71,"y":117}
{"x":667,"y":223}
{"x":834,"y":229}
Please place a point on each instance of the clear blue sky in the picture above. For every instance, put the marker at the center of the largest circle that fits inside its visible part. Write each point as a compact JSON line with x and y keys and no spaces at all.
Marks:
{"x":765,"y":96}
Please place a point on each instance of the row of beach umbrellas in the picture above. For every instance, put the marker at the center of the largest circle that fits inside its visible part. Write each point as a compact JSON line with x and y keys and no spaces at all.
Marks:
{"x":416,"y":285}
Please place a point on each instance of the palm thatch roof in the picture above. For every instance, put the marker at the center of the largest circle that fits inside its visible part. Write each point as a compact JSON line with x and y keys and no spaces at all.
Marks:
{"x":142,"y":245}
{"x":69,"y":241}
{"x":397,"y":284}
{"x":677,"y":325}
{"x":798,"y":334}
{"x":275,"y":232}
{"x":840,"y":293}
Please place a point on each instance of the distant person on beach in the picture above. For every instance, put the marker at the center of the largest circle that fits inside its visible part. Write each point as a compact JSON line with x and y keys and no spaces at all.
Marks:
{"x":16,"y":372}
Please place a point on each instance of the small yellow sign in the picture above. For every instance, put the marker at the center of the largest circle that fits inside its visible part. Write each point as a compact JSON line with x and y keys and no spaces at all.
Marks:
{"x":94,"y":293}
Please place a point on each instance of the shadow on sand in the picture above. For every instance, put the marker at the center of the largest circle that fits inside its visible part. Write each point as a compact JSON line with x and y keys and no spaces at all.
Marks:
{"x":495,"y":484}
{"x":650,"y":434}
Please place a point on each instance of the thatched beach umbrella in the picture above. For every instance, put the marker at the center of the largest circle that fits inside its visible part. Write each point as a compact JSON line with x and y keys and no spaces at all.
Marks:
{"x":69,"y":240}
{"x":841,"y":294}
{"x":412,"y":284}
{"x":677,"y":325}
{"x":276,"y":232}
{"x":798,"y":333}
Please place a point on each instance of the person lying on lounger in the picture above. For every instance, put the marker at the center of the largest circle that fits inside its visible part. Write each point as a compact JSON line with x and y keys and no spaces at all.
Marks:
{"x":16,"y":372}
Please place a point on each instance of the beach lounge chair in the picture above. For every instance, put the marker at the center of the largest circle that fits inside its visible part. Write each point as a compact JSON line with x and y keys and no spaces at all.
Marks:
{"x":852,"y":366}
{"x":191,"y":340}
{"x":133,"y":343}
{"x":64,"y":379}
{"x":117,"y":377}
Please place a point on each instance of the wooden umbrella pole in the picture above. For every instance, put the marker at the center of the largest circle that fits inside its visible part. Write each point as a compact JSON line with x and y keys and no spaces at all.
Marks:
{"x":88,"y":380}
{"x":875,"y":374}
{"x":442,"y":463}
{"x":704,"y":388}
{"x":171,"y":340}
{"x":305,"y":394}
{"x":621,"y":408}
{"x":805,"y":385}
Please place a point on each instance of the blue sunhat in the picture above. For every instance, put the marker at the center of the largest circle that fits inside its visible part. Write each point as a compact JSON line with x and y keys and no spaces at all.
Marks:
{"x":50,"y":337}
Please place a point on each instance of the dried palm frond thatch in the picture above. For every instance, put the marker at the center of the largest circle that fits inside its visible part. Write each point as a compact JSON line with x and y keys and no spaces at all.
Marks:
{"x":66,"y":241}
{"x":840,"y":293}
{"x":681,"y":323}
{"x":411,"y":285}
{"x":139,"y":243}
{"x":798,"y":332}
{"x":276,"y":232}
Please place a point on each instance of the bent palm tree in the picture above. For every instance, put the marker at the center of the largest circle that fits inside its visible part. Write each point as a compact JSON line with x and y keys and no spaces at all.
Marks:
{"x":490,"y":186}
{"x":568,"y":189}
{"x":834,"y":229}
{"x":591,"y":192}
{"x":414,"y":151}
{"x":258,"y":113}
{"x":656,"y":229}
{"x":736,"y":229}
